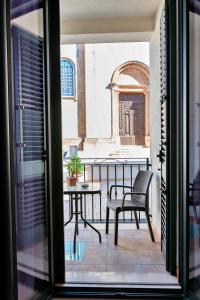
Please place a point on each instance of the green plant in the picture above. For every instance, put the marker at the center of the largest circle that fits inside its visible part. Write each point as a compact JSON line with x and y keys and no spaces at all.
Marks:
{"x":74,"y":166}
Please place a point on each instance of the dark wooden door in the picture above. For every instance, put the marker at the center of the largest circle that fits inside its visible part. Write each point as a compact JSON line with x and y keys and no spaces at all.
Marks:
{"x":131,"y":118}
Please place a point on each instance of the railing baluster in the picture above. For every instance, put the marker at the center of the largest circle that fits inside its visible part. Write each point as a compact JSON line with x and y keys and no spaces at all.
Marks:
{"x":85,"y":216}
{"x":147,"y":163}
{"x":115,"y":179}
{"x":131,"y":174}
{"x":138,"y":171}
{"x":92,"y":174}
{"x":107,"y":167}
{"x":123,"y":177}
{"x":100,"y":194}
{"x":69,"y":205}
{"x":123,"y":191}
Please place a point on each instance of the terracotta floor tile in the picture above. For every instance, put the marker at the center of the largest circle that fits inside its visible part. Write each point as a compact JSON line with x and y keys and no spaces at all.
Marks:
{"x":135,"y":253}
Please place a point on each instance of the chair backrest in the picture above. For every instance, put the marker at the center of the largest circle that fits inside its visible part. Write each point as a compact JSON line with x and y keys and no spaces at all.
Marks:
{"x":141,"y":185}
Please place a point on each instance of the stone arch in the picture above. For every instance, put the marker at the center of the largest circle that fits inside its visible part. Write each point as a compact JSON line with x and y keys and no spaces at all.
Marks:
{"x":139,"y":72}
{"x":134,"y":69}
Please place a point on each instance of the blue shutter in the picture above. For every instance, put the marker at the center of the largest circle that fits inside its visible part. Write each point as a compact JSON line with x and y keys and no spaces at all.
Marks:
{"x":29,"y":135}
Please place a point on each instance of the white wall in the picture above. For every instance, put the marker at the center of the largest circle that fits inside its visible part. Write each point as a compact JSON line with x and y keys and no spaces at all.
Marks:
{"x":69,"y":106}
{"x":101,"y":61}
{"x":68,"y":51}
{"x":155,"y":122}
{"x":96,"y":21}
{"x":69,"y":117}
{"x":32,"y":22}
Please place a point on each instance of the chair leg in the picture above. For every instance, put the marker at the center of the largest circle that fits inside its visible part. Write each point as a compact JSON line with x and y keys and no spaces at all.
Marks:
{"x":107,"y":219}
{"x":150,"y":228}
{"x":116,"y":226}
{"x":136,"y":219}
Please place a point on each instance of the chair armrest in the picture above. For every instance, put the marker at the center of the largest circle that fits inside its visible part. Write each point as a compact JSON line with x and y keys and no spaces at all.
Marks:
{"x":119,"y":186}
{"x":132,"y":193}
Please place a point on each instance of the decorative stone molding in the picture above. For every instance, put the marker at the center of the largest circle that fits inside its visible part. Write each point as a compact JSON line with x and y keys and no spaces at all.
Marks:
{"x":140,"y":72}
{"x":135,"y":69}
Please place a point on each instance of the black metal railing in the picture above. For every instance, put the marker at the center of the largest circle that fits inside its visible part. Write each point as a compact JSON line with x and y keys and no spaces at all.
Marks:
{"x":108,"y":171}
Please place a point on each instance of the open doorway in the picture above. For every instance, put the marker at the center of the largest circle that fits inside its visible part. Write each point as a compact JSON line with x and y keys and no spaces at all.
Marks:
{"x":114,"y":114}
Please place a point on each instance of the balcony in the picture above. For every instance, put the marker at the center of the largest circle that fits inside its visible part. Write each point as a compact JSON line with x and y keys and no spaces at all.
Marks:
{"x":135,"y":254}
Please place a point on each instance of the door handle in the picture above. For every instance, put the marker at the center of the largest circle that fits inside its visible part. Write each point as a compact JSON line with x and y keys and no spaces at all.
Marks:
{"x":160,"y":156}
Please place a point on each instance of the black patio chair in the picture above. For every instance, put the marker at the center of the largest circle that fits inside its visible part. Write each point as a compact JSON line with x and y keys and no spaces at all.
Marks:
{"x":139,"y":201}
{"x":194,"y":199}
{"x":194,"y":194}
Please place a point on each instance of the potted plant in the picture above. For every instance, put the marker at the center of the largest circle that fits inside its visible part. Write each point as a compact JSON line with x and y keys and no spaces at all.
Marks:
{"x":74,"y":167}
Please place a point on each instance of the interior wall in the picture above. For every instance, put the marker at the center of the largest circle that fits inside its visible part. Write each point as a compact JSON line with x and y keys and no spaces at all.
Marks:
{"x":155,"y":122}
{"x":107,"y":21}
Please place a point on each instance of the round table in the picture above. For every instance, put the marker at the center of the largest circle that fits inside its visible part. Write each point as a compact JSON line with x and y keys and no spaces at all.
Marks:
{"x":76,"y":192}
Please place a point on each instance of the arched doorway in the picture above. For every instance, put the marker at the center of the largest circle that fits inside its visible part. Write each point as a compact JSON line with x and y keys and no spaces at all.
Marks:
{"x":130,"y":104}
{"x":131,"y":118}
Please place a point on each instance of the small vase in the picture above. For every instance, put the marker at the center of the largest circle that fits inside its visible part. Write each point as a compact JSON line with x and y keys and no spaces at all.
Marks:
{"x":71,"y":181}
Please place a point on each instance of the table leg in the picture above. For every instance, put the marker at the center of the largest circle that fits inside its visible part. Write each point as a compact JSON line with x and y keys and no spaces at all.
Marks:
{"x":77,"y":226}
{"x":81,"y":212}
{"x":91,"y":227}
{"x":71,"y":211}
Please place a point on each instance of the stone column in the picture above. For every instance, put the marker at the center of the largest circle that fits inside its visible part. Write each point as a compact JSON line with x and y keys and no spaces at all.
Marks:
{"x":81,"y":93}
{"x":114,"y":112}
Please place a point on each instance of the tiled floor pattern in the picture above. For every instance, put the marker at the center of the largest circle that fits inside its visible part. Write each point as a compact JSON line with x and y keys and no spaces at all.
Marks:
{"x":135,"y":253}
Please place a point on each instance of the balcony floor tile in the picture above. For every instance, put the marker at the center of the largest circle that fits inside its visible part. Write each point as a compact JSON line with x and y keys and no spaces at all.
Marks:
{"x":134,"y":254}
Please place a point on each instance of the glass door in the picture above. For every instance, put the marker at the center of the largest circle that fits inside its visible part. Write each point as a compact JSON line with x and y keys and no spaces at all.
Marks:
{"x":29,"y":115}
{"x":194,"y":149}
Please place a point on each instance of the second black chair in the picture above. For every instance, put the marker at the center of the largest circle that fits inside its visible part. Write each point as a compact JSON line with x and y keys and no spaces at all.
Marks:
{"x":139,"y":201}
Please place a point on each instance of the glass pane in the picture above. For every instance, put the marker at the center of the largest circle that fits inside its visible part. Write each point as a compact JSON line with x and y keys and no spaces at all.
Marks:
{"x":194,"y":144}
{"x":67,"y":78}
{"x":27,"y":28}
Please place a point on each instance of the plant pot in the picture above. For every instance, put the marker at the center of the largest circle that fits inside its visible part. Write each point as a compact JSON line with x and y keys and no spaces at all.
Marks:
{"x":71,"y":181}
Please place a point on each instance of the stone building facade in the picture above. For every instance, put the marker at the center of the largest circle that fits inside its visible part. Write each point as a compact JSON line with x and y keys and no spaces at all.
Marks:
{"x":111,"y":106}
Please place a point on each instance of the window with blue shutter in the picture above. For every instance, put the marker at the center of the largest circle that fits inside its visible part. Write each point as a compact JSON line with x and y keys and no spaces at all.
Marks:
{"x":67,"y":78}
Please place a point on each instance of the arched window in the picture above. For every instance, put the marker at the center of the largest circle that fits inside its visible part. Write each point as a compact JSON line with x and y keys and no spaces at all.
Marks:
{"x":67,"y":78}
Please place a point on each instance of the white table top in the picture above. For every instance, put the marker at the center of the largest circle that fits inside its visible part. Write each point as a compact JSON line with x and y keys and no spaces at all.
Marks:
{"x":92,"y":188}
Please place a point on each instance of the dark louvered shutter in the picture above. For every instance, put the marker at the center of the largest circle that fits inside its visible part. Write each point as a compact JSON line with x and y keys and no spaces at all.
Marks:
{"x":163,"y":149}
{"x":29,"y":135}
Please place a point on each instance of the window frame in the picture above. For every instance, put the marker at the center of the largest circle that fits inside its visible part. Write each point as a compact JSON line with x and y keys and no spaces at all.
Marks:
{"x":74,"y":79}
